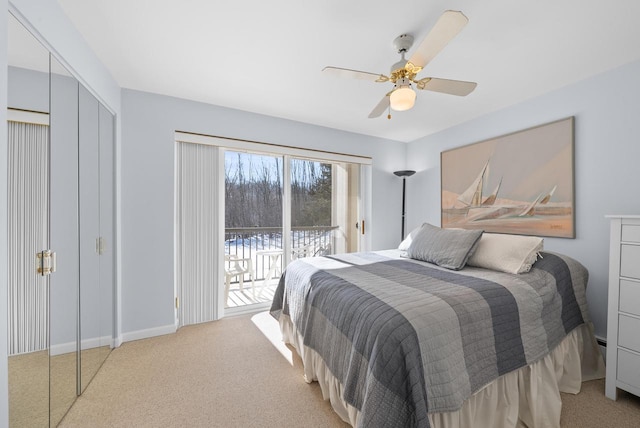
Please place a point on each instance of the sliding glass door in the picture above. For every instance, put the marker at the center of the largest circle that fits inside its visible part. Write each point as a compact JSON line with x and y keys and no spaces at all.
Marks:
{"x":244,"y":210}
{"x":282,"y":208}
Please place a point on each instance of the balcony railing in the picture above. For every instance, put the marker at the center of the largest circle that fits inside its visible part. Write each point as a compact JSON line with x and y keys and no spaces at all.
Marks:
{"x":247,"y":242}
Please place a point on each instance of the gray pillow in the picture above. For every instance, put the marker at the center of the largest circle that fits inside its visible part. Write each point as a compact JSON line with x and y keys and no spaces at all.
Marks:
{"x":449,"y":248}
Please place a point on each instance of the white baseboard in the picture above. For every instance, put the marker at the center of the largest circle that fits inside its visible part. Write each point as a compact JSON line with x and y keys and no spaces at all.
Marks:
{"x":147,"y":333}
{"x":94,"y":342}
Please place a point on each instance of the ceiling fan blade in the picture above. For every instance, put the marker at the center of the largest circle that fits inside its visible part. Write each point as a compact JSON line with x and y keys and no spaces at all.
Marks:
{"x":447,"y":27}
{"x":446,"y":86}
{"x":380,"y":108}
{"x":355,"y":74}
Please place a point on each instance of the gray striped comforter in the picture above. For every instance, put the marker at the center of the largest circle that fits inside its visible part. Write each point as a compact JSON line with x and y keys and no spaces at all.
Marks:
{"x":405,"y":337}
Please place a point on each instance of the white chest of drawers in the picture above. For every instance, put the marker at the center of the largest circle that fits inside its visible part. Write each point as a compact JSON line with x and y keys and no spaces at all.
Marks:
{"x":623,"y":323}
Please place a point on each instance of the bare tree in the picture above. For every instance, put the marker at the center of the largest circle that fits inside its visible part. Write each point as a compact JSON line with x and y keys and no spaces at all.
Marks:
{"x":253,"y":190}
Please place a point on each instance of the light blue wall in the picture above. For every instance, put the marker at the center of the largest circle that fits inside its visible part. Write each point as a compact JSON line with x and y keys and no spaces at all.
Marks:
{"x":148,"y":126}
{"x":28,"y":89}
{"x":607,"y":172}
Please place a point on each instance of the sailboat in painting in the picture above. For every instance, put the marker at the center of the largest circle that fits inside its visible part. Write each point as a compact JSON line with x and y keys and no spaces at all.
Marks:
{"x":530,"y":209}
{"x":548,"y":196}
{"x":491,"y":199}
{"x":542,"y":200}
{"x":472,"y":197}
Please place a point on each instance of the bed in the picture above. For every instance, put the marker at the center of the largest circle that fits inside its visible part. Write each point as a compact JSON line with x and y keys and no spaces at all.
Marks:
{"x":395,"y":341}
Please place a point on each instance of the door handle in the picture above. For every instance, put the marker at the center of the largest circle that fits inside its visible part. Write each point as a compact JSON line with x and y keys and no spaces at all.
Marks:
{"x":100,"y":245}
{"x":46,"y":262}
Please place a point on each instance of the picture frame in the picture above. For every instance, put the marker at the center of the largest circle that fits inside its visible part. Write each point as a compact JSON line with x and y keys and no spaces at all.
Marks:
{"x":519,"y":183}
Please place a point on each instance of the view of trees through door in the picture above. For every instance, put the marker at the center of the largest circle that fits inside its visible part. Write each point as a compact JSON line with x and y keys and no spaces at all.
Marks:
{"x":317,"y":204}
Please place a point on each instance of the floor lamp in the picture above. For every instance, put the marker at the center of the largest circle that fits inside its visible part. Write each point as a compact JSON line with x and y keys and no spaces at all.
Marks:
{"x":404,"y":174}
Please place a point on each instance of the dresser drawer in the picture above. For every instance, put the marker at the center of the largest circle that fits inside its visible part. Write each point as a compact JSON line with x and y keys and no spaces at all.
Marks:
{"x":630,"y":261}
{"x":628,"y":329}
{"x":630,"y":233}
{"x":629,"y":297}
{"x":628,"y":368}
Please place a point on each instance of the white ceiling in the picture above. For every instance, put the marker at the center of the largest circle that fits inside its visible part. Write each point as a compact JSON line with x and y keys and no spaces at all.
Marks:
{"x":267,"y":56}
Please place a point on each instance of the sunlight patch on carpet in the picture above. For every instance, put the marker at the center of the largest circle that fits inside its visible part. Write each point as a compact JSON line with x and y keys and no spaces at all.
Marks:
{"x":269,"y":327}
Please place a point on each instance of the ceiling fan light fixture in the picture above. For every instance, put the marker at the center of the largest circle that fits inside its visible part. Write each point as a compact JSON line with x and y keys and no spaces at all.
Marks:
{"x":403,"y":98}
{"x":404,"y":72}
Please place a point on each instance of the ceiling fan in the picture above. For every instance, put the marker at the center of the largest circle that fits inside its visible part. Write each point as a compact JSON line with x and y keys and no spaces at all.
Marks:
{"x":403,"y":73}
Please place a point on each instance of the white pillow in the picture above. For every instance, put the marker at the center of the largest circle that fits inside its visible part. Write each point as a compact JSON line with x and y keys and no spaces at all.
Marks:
{"x":404,"y":245}
{"x":506,"y":253}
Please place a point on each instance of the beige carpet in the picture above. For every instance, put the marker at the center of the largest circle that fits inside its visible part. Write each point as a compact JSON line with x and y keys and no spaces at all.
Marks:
{"x":29,"y":389}
{"x":39,"y":384}
{"x":228,"y":374}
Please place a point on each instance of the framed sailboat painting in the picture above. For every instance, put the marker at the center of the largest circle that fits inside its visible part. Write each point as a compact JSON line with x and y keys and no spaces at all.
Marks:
{"x":520,"y":183}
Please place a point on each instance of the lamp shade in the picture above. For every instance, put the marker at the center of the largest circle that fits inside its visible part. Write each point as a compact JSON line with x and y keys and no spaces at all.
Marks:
{"x":404,"y":173}
{"x":403,"y":98}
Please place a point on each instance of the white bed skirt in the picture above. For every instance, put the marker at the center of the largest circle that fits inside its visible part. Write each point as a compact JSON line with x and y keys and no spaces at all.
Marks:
{"x":528,"y":397}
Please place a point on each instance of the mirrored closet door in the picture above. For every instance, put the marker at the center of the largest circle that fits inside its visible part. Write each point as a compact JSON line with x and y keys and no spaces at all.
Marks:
{"x":96,"y":234}
{"x":60,"y":199}
{"x":63,"y":360}
{"x":28,"y":227}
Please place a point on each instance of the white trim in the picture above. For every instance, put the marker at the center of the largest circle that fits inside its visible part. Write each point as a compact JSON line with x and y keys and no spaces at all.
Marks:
{"x":117,"y":247}
{"x":94,"y":342}
{"x":25,"y":116}
{"x":63,"y":348}
{"x":365,"y":208}
{"x":286,"y":209}
{"x":147,"y":333}
{"x":177,"y":308}
{"x":247,"y":309}
{"x":270,"y":149}
{"x":219,"y":223}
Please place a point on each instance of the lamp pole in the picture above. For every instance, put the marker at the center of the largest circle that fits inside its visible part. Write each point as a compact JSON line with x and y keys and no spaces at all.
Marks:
{"x":404,"y":174}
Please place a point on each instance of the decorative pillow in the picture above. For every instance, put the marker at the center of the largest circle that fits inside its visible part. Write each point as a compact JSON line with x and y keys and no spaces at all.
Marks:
{"x":404,"y":245}
{"x":506,"y":253}
{"x":449,"y":248}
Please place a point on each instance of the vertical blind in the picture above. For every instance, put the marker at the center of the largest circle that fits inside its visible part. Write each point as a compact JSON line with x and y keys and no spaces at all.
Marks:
{"x":197,"y":243}
{"x":28,"y":190}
